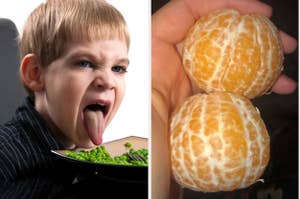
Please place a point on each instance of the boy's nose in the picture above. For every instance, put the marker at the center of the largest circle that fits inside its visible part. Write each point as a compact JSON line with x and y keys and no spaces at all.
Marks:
{"x":105,"y":80}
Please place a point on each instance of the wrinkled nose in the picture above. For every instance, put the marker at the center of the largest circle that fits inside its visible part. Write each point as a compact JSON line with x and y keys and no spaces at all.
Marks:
{"x":105,"y":80}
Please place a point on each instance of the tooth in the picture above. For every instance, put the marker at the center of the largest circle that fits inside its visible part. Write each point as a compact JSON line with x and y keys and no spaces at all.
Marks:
{"x":100,"y":104}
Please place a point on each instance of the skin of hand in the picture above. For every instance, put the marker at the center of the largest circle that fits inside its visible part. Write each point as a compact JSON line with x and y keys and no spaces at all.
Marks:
{"x":170,"y":84}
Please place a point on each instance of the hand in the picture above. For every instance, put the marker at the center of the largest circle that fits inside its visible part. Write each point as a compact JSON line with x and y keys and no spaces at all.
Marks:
{"x":170,"y":84}
{"x":169,"y":26}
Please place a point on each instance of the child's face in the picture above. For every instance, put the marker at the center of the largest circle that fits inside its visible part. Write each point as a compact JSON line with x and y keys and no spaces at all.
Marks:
{"x":84,"y":88}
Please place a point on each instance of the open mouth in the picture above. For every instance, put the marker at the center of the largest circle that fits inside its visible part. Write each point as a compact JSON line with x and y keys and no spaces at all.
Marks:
{"x":94,"y":120}
{"x":98,"y":107}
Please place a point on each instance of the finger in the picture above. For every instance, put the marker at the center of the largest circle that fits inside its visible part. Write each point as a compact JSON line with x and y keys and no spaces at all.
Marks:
{"x":173,"y":20}
{"x":289,"y":43}
{"x":243,"y":6}
{"x":180,"y":48}
{"x":284,"y":85}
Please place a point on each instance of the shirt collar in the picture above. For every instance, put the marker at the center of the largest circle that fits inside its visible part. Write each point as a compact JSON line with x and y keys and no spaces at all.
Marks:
{"x":34,"y":123}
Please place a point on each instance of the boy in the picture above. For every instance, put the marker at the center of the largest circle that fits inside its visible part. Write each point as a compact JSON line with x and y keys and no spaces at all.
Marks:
{"x":74,"y":59}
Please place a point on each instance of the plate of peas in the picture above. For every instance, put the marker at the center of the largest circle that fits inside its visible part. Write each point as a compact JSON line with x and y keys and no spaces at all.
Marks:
{"x":125,"y":158}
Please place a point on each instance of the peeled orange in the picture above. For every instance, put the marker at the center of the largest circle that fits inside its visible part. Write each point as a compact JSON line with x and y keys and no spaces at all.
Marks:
{"x":218,"y":142}
{"x":227,"y":51}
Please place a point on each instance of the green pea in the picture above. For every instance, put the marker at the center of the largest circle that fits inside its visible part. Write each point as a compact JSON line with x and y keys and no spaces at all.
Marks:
{"x":128,"y":144}
{"x":101,"y":155}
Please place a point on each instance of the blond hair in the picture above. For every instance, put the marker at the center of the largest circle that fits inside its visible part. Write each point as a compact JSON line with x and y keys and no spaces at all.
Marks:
{"x":56,"y":23}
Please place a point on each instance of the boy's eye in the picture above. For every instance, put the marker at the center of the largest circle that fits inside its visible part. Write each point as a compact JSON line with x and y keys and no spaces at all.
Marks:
{"x":84,"y":64}
{"x":119,"y":69}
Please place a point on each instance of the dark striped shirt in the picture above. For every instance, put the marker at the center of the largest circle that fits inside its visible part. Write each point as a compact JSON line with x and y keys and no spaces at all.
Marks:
{"x":25,"y":144}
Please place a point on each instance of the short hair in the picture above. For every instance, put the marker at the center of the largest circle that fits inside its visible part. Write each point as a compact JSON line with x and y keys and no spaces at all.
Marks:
{"x":56,"y":23}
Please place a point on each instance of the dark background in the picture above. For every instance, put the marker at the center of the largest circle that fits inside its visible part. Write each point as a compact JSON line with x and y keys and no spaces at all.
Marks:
{"x":11,"y":89}
{"x":280,"y":113}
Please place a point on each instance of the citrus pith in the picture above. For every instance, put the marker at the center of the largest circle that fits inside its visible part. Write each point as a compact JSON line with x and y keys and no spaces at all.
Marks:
{"x":227,"y":51}
{"x":218,"y":142}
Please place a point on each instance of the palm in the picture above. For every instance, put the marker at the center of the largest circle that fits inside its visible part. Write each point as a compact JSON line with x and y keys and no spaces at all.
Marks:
{"x":169,"y":73}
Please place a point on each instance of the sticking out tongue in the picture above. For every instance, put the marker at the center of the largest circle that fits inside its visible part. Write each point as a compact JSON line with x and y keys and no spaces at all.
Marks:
{"x":94,"y":124}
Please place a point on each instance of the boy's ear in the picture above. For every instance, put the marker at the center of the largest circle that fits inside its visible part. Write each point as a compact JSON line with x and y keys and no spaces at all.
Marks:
{"x":31,"y":72}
